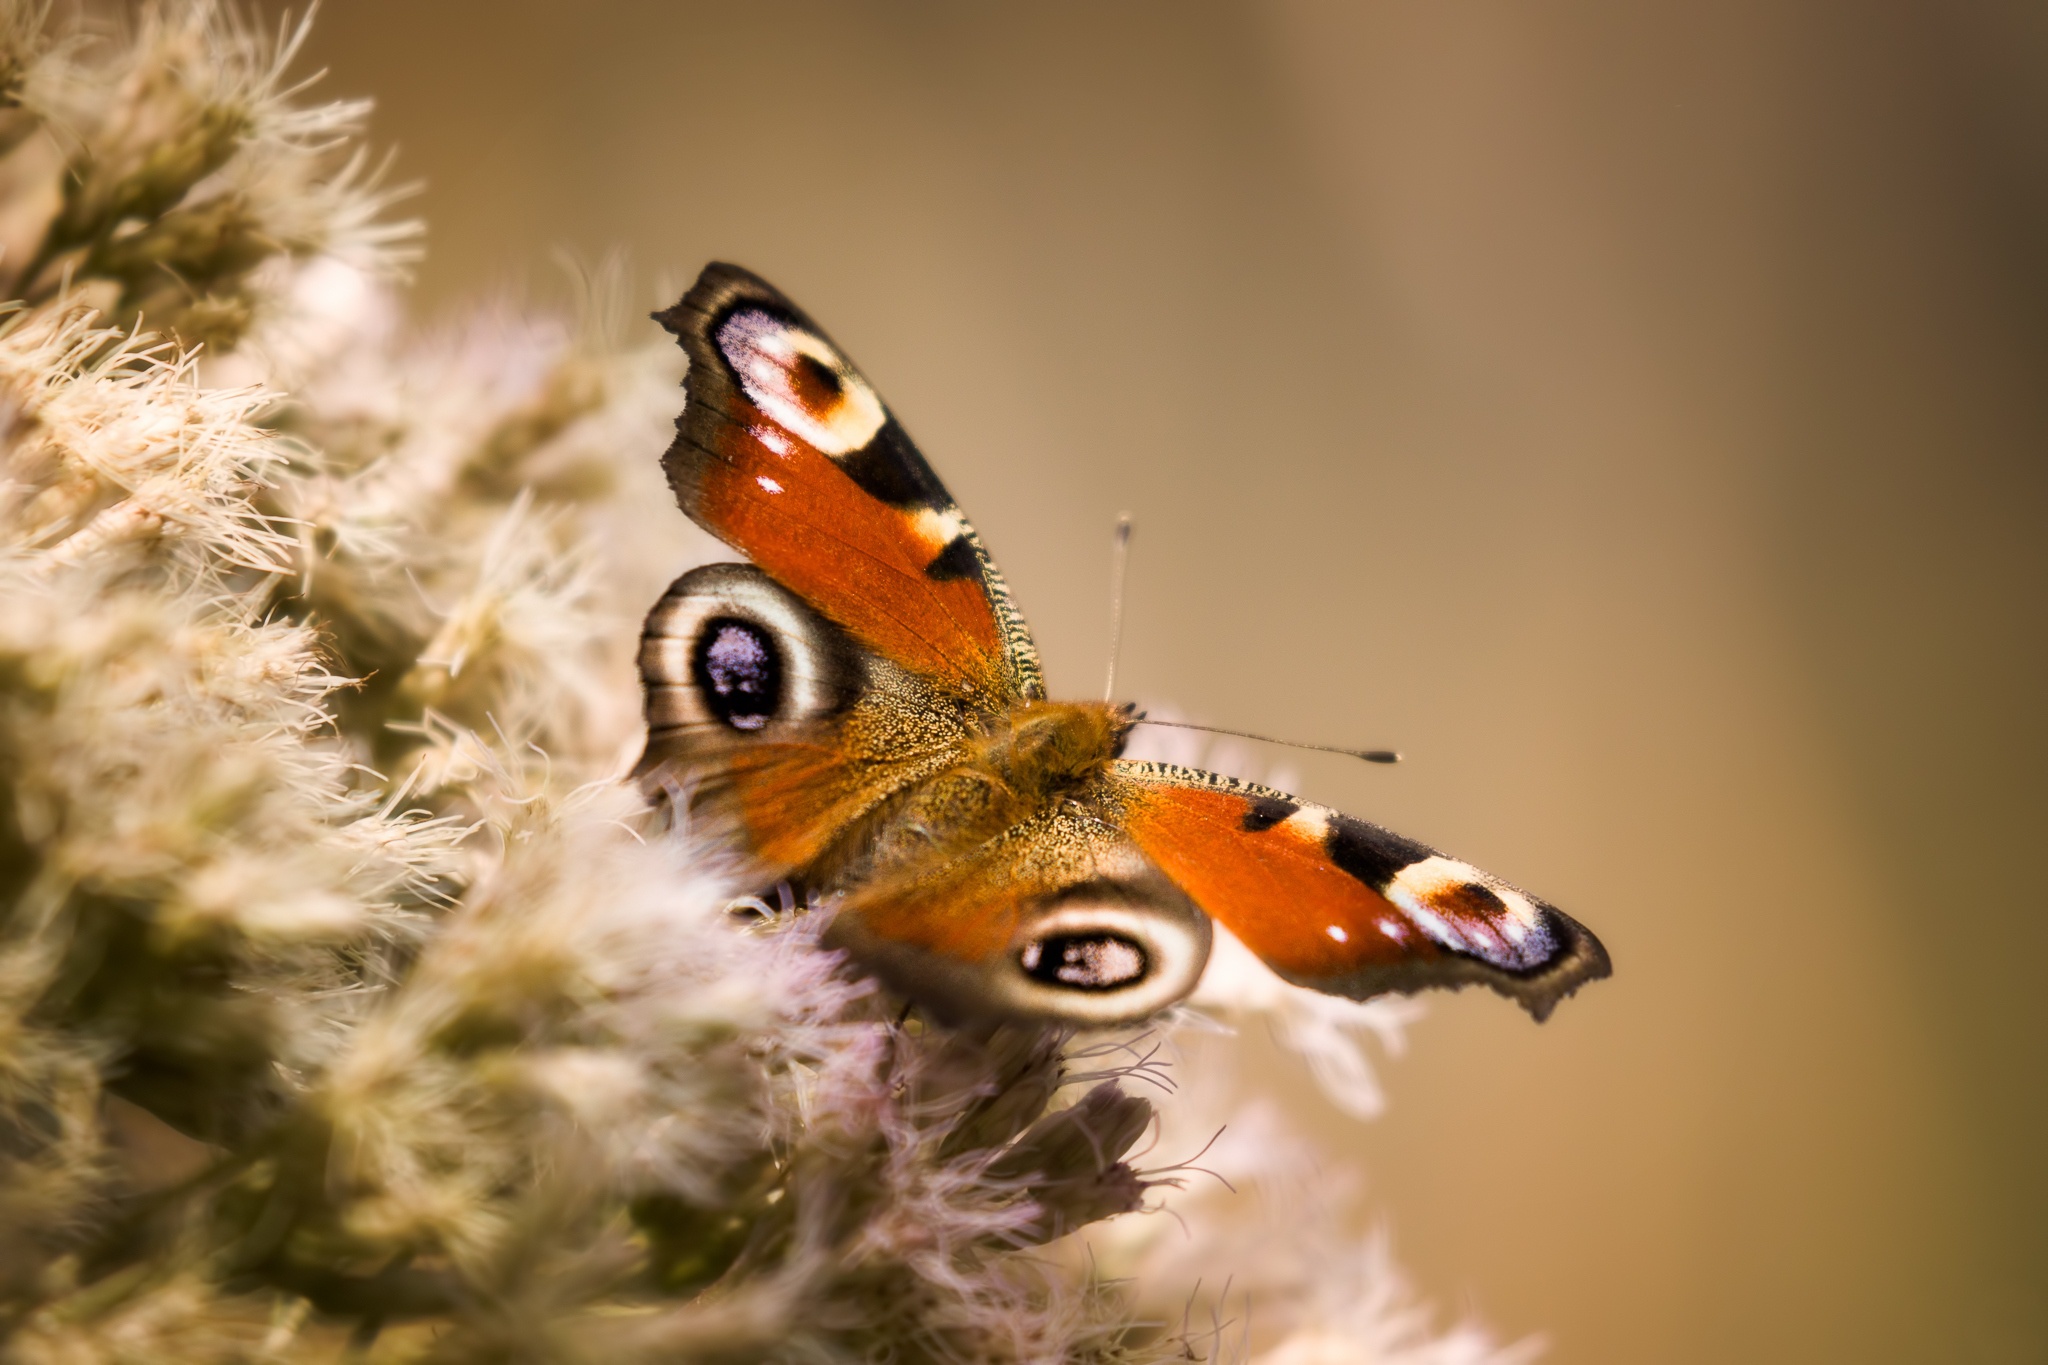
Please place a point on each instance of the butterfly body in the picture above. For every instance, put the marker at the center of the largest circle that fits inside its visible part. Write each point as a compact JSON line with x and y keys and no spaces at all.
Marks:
{"x":1013,"y":768}
{"x":861,"y":708}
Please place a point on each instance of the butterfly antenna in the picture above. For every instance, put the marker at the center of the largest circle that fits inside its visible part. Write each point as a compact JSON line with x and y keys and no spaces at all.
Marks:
{"x":1369,"y":755}
{"x":1119,"y":558}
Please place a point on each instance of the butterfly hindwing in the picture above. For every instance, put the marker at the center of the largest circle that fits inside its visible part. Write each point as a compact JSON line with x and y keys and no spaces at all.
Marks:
{"x":1343,"y":906}
{"x":779,"y":725}
{"x":1059,"y":916}
{"x":785,"y":452}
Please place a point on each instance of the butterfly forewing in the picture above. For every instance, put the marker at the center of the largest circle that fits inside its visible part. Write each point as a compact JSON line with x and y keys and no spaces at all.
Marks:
{"x":1343,"y":906}
{"x":785,"y":452}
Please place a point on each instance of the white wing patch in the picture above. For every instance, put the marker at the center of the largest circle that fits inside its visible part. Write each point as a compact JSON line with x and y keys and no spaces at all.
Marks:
{"x":1438,"y":892}
{"x":1310,"y":824}
{"x":771,"y":438}
{"x":836,"y":412}
{"x":939,"y":527}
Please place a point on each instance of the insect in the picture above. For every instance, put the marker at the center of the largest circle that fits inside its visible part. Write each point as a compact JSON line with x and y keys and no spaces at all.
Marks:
{"x":861,"y":708}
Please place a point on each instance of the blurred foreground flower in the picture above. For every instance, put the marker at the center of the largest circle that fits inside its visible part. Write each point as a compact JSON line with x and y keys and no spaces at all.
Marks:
{"x":349,"y":1007}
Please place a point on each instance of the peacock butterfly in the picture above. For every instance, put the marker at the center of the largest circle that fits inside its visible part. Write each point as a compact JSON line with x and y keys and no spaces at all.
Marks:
{"x":861,"y":705}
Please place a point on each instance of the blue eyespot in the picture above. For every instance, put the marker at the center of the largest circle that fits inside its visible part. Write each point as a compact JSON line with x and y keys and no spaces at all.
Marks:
{"x":738,"y":671}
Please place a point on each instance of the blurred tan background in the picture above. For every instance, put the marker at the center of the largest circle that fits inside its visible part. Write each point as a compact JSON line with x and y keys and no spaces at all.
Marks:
{"x":1634,"y":412}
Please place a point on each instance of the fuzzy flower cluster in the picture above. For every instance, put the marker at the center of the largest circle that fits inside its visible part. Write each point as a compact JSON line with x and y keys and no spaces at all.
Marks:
{"x":350,"y":1007}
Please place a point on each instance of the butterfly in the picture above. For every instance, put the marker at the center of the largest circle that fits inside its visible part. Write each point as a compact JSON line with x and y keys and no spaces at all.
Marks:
{"x":860,"y":708}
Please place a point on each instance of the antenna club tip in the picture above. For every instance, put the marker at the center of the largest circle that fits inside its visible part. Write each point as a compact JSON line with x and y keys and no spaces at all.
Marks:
{"x":1379,"y":755}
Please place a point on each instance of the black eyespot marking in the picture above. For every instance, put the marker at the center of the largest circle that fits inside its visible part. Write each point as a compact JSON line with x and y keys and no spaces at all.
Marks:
{"x":1086,"y":962}
{"x":1265,"y":813}
{"x":1369,"y":853}
{"x":957,"y":560}
{"x":1469,"y":899}
{"x":738,"y":670}
{"x":817,"y":385}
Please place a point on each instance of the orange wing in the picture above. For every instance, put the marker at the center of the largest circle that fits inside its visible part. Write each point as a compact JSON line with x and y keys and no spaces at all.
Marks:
{"x":785,"y":452}
{"x":1058,"y":917}
{"x":1344,"y":906}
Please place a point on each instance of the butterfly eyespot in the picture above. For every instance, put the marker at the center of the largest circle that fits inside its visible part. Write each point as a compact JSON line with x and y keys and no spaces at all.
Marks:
{"x":1105,"y":953}
{"x":739,"y":671}
{"x":1085,"y":962}
{"x":799,"y":382}
{"x":727,"y":648}
{"x":816,"y":385}
{"x":1453,"y":903}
